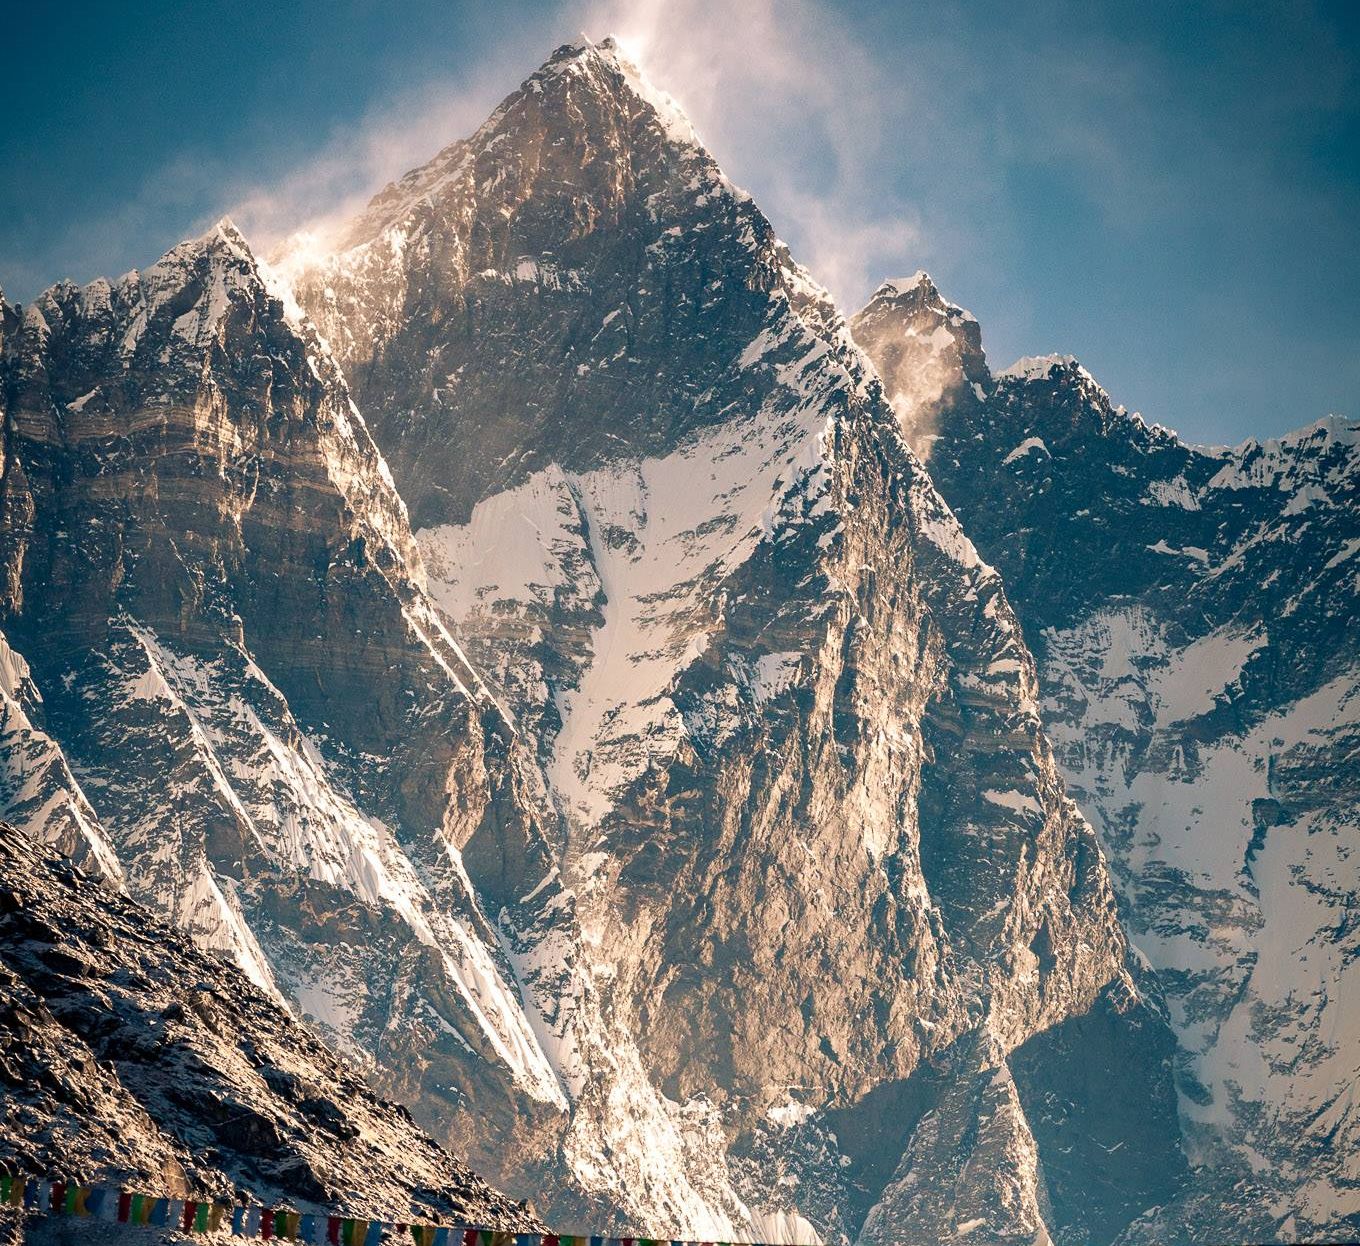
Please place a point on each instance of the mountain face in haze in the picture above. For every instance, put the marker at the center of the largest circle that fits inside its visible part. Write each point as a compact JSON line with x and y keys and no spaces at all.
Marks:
{"x":830,"y":939}
{"x":1191,"y":610}
{"x":128,"y":1055}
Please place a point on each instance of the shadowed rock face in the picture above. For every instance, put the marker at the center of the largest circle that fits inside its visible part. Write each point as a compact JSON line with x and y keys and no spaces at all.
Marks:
{"x":1191,"y":611}
{"x":817,"y":844}
{"x":126,"y":1054}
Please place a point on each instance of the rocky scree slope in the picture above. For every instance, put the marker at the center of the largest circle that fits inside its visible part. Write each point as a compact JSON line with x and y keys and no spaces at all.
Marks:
{"x":837,"y":916}
{"x":127,"y":1054}
{"x":225,"y":688}
{"x":1191,"y":610}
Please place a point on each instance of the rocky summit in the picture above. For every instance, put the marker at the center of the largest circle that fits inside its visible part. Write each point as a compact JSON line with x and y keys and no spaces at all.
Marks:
{"x":1191,"y":610}
{"x":549,"y":651}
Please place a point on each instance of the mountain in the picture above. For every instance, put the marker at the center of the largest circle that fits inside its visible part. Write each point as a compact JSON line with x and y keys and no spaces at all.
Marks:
{"x":126,"y":1054}
{"x":225,"y":688}
{"x":831,"y":939}
{"x":1191,"y":611}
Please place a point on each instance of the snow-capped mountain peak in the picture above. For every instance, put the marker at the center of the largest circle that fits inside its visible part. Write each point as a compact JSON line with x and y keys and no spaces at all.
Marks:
{"x":232,"y":682}
{"x":568,"y":118}
{"x":666,"y":508}
{"x":1039,"y":367}
{"x":608,"y":57}
{"x":927,"y":350}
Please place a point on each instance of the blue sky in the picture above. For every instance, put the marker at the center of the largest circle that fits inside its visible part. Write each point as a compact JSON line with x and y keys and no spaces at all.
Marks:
{"x":1170,"y":192}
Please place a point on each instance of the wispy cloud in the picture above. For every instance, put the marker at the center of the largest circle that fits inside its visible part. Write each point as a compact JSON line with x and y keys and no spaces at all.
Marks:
{"x":791,"y":105}
{"x":184,"y":196}
{"x":359,"y":160}
{"x":795,"y":109}
{"x":789,"y":102}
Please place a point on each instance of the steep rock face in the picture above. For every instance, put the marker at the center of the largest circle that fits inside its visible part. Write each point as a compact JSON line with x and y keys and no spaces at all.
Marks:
{"x":533,"y":241}
{"x":37,"y":788}
{"x":1190,"y":609}
{"x":128,"y":1055}
{"x":232,"y":679}
{"x":817,"y":843}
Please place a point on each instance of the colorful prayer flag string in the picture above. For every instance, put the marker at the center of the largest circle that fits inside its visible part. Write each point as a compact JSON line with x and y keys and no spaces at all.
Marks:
{"x":188,"y":1215}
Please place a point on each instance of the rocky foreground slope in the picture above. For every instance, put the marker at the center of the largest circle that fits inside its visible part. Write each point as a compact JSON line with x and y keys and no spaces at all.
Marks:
{"x":834,"y":921}
{"x":1192,"y":611}
{"x":127,"y":1054}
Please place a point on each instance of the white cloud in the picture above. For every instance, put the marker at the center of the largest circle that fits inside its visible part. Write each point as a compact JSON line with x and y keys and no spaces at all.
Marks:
{"x":794,"y":109}
{"x":845,"y":246}
{"x":358,"y":161}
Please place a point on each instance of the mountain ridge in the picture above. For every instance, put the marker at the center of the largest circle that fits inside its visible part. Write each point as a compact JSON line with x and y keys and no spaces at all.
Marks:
{"x":198,"y":521}
{"x":1187,"y":608}
{"x":646,"y":774}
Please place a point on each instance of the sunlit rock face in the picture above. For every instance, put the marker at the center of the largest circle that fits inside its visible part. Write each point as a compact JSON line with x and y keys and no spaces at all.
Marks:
{"x":838,"y":927}
{"x":1191,"y":611}
{"x":226,"y":689}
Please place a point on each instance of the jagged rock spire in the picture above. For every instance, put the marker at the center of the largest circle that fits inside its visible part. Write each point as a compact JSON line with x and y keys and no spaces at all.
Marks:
{"x":928,"y":352}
